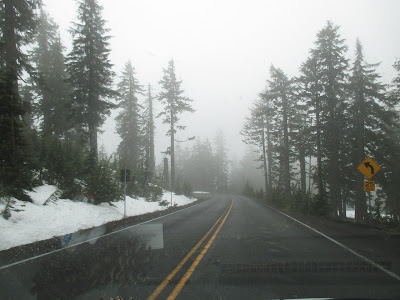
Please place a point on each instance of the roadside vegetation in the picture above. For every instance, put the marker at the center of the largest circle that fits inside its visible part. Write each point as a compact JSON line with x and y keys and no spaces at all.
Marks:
{"x":311,"y":132}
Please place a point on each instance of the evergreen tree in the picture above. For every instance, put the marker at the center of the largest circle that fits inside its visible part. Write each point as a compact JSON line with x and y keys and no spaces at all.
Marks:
{"x":389,"y":153}
{"x":52,"y":90}
{"x":310,"y":89}
{"x":149,"y":135}
{"x":280,"y":90}
{"x":301,"y":133}
{"x":90,"y":72}
{"x":367,"y":122}
{"x":254,"y":132}
{"x":128,"y":119}
{"x":174,"y":103}
{"x":221,"y":163}
{"x":332,"y":70}
{"x":17,"y":24}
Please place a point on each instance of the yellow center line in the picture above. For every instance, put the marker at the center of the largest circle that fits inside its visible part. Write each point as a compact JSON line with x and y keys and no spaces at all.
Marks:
{"x":187,"y":275}
{"x":163,"y":284}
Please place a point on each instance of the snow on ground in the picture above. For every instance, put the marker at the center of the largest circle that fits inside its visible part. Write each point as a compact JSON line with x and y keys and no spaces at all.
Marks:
{"x":40,"y":194}
{"x":200,"y":192}
{"x":38,"y":222}
{"x":350,"y":214}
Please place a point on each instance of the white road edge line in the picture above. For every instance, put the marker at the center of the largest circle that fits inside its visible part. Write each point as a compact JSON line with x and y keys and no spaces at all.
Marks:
{"x":92,"y":239}
{"x":388,"y":272}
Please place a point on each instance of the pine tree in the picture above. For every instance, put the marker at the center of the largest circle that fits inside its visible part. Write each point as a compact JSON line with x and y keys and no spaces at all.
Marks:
{"x":128,"y":119}
{"x":17,"y":24}
{"x":90,"y":72}
{"x":301,"y":133}
{"x":332,"y":69}
{"x":174,"y":103}
{"x":149,"y":136}
{"x":221,"y":163}
{"x":389,"y":152}
{"x":52,"y":90}
{"x":280,"y":90}
{"x":310,"y":89}
{"x":254,"y":132}
{"x":367,"y":119}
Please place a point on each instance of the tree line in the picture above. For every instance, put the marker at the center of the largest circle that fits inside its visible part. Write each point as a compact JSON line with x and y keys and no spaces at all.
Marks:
{"x":53,"y":106}
{"x":323,"y":123}
{"x":205,"y":167}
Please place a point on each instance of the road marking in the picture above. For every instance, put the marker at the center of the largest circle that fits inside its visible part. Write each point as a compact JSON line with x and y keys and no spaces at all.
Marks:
{"x":163,"y":284}
{"x":187,"y":275}
{"x":388,"y":272}
{"x":93,"y":239}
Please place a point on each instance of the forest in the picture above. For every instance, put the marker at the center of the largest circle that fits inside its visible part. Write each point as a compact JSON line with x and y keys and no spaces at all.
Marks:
{"x":309,"y":132}
{"x":53,"y":106}
{"x":313,"y":130}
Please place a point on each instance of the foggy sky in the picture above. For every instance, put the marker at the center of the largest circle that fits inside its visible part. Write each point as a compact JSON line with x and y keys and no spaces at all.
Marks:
{"x":223,"y":50}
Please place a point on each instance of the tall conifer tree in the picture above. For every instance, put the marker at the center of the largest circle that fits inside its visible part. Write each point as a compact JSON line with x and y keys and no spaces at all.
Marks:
{"x":171,"y":96}
{"x":17,"y":24}
{"x":90,"y":72}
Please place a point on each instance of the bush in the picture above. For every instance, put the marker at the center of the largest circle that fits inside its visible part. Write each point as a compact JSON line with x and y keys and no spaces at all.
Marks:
{"x":101,"y":184}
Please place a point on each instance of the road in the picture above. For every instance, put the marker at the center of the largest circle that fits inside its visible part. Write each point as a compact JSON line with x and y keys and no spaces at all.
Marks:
{"x":228,"y":247}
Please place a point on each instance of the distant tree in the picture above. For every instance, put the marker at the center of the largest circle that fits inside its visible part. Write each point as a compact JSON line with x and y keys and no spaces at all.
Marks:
{"x":90,"y":72}
{"x":171,"y":96}
{"x":198,"y":167}
{"x":18,"y":21}
{"x":149,"y":127}
{"x":256,"y":132}
{"x":221,"y":163}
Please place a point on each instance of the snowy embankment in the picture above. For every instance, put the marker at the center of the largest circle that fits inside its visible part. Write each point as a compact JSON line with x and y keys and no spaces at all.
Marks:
{"x":35,"y":221}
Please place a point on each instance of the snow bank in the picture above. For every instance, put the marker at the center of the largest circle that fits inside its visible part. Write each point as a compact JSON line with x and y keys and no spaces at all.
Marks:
{"x":38,"y":222}
{"x":40,"y":194}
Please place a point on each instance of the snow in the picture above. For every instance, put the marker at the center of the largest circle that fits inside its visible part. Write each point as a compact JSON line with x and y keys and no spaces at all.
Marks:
{"x":39,"y":222}
{"x":200,"y":192}
{"x":40,"y":194}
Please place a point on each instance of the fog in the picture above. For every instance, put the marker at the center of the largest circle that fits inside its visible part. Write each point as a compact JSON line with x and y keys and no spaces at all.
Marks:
{"x":223,"y":49}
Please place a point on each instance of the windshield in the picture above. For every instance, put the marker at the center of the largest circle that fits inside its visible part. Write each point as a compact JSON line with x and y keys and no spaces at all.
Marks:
{"x":199,"y":150}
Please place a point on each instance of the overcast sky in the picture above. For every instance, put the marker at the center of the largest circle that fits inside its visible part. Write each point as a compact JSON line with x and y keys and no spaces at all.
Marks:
{"x":223,"y":49}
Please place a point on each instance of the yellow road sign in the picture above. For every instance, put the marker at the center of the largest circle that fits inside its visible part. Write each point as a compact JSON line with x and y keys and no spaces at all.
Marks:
{"x":368,"y":167}
{"x":369,"y":186}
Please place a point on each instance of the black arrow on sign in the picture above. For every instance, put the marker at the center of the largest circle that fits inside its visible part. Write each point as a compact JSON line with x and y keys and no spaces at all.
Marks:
{"x":368,"y":165}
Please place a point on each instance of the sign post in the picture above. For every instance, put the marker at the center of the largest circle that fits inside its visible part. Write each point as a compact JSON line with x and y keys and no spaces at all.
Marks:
{"x":125,"y":177}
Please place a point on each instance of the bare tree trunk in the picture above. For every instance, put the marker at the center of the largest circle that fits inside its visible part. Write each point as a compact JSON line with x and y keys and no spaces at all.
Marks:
{"x":172,"y":152}
{"x":264,"y":160}
{"x":319,"y":154}
{"x":93,"y":140}
{"x":302,"y":160}
{"x":151,"y":161}
{"x":269,"y":154}
{"x":11,"y":69}
{"x":286,"y":166}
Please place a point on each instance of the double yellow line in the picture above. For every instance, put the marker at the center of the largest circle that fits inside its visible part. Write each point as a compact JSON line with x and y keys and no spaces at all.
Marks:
{"x":191,"y":269}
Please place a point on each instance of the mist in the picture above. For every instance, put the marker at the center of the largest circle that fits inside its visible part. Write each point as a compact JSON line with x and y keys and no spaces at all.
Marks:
{"x":222,"y":50}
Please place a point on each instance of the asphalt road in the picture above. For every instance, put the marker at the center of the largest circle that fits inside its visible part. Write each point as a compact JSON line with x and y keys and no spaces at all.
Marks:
{"x":250,"y":251}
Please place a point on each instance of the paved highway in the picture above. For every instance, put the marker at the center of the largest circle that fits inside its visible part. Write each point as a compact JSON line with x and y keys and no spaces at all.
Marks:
{"x":228,"y":247}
